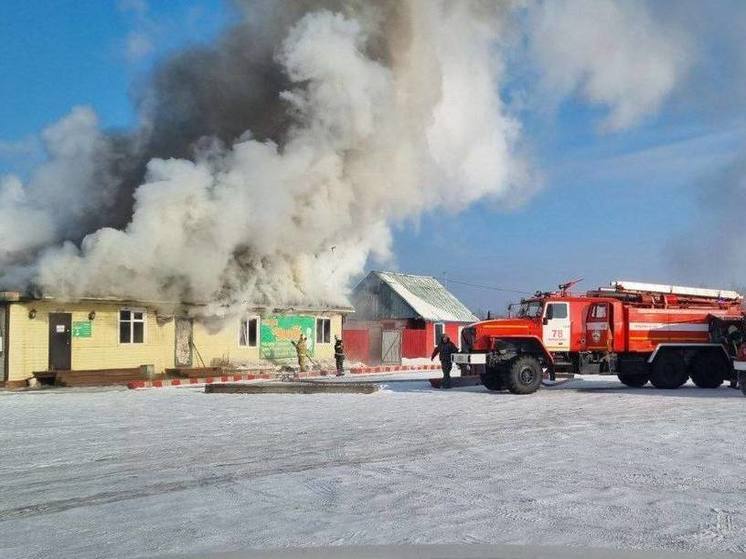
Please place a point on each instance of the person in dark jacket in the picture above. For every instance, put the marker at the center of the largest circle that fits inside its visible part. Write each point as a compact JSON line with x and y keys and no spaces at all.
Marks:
{"x":445,"y":349}
{"x":339,"y":355}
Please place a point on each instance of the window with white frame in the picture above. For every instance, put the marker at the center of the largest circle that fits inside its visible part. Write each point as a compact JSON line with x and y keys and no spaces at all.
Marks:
{"x":439,"y":329}
{"x":131,"y":326}
{"x":249,"y":335}
{"x":556,"y":310}
{"x":323,"y":330}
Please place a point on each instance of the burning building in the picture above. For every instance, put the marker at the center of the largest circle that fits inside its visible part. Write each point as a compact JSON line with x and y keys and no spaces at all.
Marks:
{"x":40,"y":335}
{"x":269,"y":165}
{"x":273,"y":163}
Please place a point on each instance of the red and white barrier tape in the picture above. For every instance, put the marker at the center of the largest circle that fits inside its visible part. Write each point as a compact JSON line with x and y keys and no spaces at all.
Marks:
{"x":178,"y":382}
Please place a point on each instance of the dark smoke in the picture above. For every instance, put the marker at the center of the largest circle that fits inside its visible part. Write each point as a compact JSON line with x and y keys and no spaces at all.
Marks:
{"x":218,"y":91}
{"x":270,"y":165}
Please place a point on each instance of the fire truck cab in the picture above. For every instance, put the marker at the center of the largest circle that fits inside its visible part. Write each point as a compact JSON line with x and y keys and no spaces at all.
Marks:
{"x":640,"y":332}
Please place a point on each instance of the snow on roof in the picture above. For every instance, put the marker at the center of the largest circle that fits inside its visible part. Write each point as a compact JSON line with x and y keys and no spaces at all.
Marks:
{"x":427,"y":296}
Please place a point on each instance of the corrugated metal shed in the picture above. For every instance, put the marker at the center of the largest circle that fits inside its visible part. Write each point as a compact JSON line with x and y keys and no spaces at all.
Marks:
{"x":425,"y":295}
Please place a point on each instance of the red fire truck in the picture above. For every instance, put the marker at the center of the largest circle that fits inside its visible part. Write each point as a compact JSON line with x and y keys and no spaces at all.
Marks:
{"x":641,"y":332}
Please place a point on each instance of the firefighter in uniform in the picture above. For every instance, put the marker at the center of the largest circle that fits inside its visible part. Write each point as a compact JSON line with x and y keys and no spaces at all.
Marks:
{"x":445,"y":349}
{"x":302,"y":350}
{"x":339,"y":355}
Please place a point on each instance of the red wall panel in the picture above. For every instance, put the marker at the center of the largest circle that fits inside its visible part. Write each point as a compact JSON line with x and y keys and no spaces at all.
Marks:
{"x":452,"y":331}
{"x":356,"y":345}
{"x":414,"y":344}
{"x":363,"y":343}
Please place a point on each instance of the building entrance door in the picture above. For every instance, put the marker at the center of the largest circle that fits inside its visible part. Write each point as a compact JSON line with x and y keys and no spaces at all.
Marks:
{"x":391,"y":346}
{"x":60,"y":352}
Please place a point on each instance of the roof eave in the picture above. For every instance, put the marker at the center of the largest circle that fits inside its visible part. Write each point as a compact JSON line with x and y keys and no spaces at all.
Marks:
{"x":14,"y":296}
{"x":10,"y":296}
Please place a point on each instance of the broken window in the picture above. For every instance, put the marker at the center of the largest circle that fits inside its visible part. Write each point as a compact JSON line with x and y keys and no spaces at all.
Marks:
{"x":323,"y":330}
{"x":131,"y":326}
{"x":249,"y":334}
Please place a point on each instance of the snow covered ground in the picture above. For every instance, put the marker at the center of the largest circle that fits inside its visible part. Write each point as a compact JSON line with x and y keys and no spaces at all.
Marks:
{"x":140,"y":473}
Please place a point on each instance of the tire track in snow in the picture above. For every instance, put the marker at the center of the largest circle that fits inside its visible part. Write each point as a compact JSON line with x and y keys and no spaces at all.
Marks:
{"x":634,"y":470}
{"x":210,"y":480}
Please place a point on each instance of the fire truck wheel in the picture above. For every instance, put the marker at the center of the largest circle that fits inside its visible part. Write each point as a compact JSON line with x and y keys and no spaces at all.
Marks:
{"x":524,"y":375}
{"x":708,"y":369}
{"x":669,"y":370}
{"x":492,"y":379}
{"x":634,"y":381}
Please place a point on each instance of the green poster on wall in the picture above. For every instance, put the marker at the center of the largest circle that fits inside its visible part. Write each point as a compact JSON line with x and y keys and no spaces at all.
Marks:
{"x":277,"y":332}
{"x":82,"y":329}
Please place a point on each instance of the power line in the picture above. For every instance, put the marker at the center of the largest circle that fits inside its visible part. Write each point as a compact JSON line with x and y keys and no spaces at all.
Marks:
{"x":492,"y":287}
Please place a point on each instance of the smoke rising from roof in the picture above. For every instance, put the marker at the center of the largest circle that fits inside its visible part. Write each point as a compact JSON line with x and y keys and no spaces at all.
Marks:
{"x":269,"y":166}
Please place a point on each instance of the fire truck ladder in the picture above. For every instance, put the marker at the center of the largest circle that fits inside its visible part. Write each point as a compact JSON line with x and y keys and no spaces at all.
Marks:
{"x":698,"y":292}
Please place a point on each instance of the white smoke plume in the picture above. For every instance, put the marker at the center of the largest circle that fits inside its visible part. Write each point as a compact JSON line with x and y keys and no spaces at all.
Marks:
{"x":612,"y":53}
{"x":373,"y":138}
{"x":58,"y":196}
{"x":271,"y":166}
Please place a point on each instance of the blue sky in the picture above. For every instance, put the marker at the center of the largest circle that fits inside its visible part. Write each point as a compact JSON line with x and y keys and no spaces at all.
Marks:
{"x":73,"y":52}
{"x":610,"y":207}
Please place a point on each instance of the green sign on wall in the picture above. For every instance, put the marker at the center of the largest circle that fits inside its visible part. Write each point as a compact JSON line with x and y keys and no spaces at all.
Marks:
{"x":82,"y":329}
{"x":278,"y":331}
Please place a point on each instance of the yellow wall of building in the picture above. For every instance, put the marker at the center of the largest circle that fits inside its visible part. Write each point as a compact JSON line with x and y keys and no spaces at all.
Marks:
{"x":28,"y":343}
{"x":29,"y":339}
{"x":326,"y":351}
{"x":221,"y":345}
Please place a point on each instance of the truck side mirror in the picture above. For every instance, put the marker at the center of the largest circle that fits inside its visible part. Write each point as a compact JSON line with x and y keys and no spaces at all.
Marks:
{"x":545,"y":320}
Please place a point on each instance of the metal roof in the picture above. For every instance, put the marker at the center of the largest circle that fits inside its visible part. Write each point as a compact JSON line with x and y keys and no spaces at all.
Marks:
{"x":427,"y":296}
